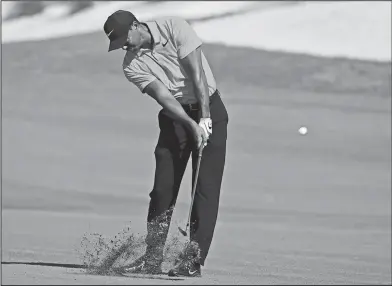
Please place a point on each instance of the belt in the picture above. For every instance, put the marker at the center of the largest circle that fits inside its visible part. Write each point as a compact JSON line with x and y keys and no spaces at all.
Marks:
{"x":191,"y":106}
{"x":196,"y":106}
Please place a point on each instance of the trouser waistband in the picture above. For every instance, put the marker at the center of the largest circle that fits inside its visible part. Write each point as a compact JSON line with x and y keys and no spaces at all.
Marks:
{"x":196,"y":106}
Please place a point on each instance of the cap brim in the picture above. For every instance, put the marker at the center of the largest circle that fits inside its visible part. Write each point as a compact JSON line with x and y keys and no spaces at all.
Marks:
{"x":118,"y":43}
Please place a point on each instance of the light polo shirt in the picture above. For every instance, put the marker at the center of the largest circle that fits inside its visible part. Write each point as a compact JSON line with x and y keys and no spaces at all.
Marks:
{"x":174,"y":39}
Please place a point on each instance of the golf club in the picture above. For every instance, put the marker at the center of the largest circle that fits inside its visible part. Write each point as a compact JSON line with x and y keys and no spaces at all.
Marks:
{"x":184,"y":232}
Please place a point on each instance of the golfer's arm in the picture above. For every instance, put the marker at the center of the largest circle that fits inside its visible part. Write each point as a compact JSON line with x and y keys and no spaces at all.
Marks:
{"x":193,"y":66}
{"x":158,"y":91}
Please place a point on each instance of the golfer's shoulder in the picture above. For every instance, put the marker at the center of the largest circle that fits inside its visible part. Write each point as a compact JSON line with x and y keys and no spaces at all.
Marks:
{"x":131,"y":65}
{"x":128,"y":60}
{"x":171,"y":23}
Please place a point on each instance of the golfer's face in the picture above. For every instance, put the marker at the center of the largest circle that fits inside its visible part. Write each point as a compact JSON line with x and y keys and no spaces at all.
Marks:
{"x":134,"y":42}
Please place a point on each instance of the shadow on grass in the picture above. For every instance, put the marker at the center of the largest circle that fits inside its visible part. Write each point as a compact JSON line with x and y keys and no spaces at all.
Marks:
{"x":162,"y":276}
{"x":63,"y":265}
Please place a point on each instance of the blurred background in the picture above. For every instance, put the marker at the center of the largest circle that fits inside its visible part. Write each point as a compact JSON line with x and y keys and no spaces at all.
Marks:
{"x":322,"y":28}
{"x":78,"y":138}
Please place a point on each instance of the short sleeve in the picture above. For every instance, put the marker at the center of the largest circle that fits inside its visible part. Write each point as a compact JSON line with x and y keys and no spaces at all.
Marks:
{"x":185,"y":37}
{"x":138,"y":77}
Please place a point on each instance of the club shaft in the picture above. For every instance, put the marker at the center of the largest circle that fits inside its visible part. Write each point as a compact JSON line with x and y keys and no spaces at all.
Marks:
{"x":194,"y":187}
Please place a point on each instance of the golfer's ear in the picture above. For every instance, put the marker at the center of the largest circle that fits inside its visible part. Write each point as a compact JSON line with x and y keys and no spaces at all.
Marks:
{"x":135,"y":25}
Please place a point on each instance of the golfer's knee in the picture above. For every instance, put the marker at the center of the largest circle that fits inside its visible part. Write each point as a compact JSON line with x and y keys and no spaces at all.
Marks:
{"x":162,"y":191}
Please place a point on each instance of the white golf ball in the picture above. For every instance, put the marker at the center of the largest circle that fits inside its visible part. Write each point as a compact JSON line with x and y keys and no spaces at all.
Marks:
{"x":303,"y":130}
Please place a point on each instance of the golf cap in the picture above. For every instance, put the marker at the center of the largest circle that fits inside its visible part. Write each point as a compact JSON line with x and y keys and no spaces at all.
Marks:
{"x":116,"y":28}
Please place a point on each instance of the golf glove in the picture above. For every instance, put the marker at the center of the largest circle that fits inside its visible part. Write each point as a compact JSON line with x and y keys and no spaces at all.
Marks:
{"x":206,"y":124}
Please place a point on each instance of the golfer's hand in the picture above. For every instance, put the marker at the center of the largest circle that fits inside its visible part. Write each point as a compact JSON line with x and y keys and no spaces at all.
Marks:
{"x":206,"y":125}
{"x":199,"y":136}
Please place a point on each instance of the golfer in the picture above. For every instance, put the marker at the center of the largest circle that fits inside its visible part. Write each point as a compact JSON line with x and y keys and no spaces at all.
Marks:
{"x":164,"y":59}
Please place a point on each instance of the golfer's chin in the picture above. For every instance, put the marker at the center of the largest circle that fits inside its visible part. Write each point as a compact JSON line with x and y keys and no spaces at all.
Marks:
{"x":132,"y":49}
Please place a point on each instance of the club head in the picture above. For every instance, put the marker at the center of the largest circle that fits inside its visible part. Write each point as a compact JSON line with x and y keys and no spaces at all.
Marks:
{"x":183,"y":232}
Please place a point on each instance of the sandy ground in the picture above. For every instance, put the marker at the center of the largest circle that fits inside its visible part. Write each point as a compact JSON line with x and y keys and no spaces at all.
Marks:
{"x":254,"y":249}
{"x":77,"y":157}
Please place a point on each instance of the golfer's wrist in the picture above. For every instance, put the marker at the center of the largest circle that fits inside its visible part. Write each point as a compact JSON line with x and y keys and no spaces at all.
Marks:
{"x":205,"y":113}
{"x":191,"y":124}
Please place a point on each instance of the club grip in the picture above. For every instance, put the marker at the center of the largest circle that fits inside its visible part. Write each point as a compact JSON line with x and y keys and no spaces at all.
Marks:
{"x":201,"y":150}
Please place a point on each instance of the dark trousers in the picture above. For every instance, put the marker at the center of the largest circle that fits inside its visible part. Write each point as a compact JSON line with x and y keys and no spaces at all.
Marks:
{"x":175,"y":144}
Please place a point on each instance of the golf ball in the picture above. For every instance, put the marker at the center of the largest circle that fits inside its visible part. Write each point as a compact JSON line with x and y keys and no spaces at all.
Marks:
{"x":303,"y":130}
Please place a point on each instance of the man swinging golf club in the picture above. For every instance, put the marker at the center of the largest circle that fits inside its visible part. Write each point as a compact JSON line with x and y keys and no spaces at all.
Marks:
{"x":164,"y":59}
